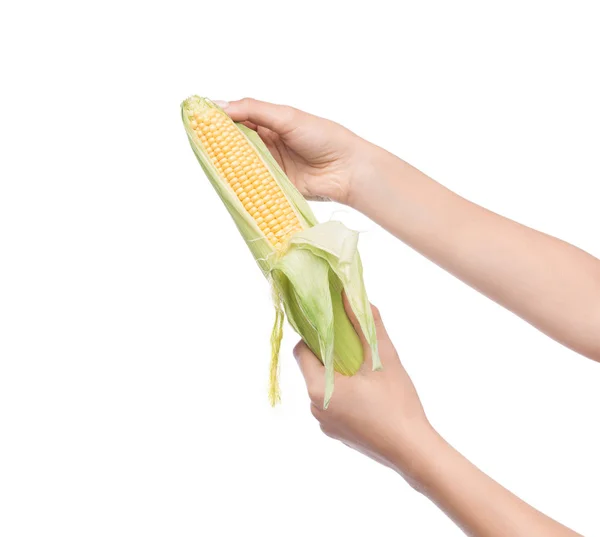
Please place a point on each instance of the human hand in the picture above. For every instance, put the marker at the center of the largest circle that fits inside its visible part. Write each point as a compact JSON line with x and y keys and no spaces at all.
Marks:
{"x":378,"y":413}
{"x":323,"y":159}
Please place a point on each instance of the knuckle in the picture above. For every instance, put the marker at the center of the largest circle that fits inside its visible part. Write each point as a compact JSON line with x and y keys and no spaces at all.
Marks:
{"x":376,"y":313}
{"x":327,"y":431}
{"x":316,"y":394}
{"x":298,"y":349}
{"x":248,"y":103}
{"x":288,"y":112}
{"x":286,"y":117}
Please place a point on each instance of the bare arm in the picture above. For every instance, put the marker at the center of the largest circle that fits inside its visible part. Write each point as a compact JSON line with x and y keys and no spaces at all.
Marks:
{"x":474,"y":501}
{"x":551,"y":284}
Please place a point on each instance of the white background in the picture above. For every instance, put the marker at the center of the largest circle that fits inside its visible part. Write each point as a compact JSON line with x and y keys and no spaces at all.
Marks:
{"x":134,"y":324}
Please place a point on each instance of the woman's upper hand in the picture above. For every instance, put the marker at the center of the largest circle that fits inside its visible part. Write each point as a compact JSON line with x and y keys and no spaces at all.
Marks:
{"x":375,"y":412}
{"x":323,"y":159}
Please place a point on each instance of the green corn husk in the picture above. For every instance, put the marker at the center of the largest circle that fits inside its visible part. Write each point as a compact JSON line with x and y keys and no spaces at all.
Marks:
{"x":308,"y":275}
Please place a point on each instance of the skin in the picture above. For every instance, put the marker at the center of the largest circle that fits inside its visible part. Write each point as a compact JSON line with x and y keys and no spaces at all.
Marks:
{"x":549,"y":283}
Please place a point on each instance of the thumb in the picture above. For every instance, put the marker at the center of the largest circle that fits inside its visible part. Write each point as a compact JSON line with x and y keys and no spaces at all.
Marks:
{"x":276,"y":117}
{"x":380,"y":330}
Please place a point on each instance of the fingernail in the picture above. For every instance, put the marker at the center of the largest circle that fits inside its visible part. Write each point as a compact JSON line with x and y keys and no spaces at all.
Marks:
{"x":222,"y":104}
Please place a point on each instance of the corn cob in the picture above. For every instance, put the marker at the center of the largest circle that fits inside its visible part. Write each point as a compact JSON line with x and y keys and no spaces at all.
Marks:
{"x":247,"y":175}
{"x":308,"y":264}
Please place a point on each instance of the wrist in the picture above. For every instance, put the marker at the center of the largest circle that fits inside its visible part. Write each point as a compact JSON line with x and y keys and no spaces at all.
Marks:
{"x":370,"y":178}
{"x":416,"y":453}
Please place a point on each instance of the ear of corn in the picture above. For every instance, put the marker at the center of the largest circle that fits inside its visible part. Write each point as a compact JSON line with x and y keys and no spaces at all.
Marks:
{"x":308,"y":264}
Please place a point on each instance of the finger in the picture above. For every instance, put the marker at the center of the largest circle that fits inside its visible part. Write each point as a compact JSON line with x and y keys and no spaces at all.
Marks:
{"x":379,"y":329}
{"x":271,"y":141}
{"x":313,"y":372}
{"x":280,"y":119}
{"x":366,"y":349}
{"x":250,"y":125}
{"x":327,"y":431}
{"x":379,"y":326}
{"x":316,"y":411}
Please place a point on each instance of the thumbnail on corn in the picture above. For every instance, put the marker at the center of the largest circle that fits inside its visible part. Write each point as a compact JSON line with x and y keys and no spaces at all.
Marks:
{"x":308,"y":264}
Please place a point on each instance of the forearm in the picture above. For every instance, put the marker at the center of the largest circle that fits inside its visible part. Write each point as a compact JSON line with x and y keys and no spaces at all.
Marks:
{"x":475,"y":502}
{"x":551,"y":284}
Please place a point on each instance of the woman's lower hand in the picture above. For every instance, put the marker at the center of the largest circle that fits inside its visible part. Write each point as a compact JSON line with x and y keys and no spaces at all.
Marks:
{"x":375,"y":412}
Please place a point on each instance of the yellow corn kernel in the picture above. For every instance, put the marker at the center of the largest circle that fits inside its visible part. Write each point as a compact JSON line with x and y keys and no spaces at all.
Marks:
{"x":247,"y":175}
